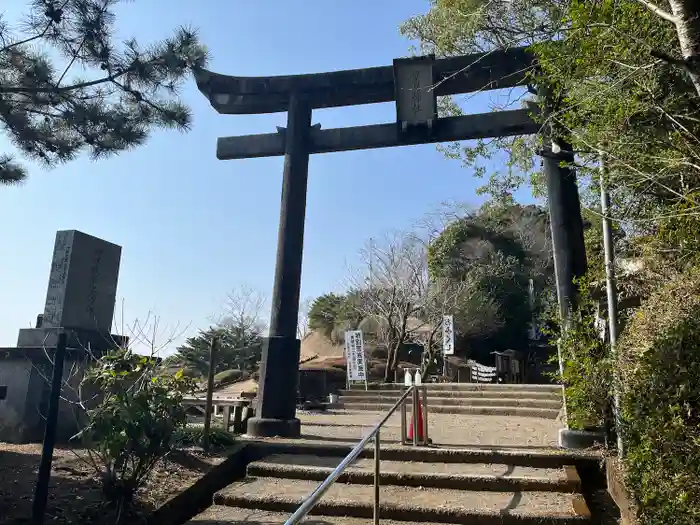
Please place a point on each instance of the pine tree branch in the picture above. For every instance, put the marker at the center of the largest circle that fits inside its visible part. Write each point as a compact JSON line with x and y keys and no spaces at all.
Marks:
{"x":29,"y":40}
{"x":57,"y":89}
{"x":50,"y":23}
{"x":72,"y":61}
{"x":662,"y":13}
{"x":31,"y":90}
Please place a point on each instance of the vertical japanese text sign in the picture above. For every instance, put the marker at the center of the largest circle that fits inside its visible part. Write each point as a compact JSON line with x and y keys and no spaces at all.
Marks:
{"x":448,"y":335}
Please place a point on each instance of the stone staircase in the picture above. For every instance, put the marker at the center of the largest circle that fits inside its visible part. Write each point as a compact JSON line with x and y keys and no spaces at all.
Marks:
{"x":464,"y":398}
{"x":418,"y":485}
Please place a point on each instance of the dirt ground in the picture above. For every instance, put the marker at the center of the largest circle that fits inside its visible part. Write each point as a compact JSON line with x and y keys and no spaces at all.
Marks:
{"x":75,"y":493}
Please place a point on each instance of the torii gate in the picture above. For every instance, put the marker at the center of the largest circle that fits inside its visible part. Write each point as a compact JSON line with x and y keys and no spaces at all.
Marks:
{"x":415,"y":84}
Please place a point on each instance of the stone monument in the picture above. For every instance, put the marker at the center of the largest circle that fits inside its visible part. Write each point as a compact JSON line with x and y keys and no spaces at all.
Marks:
{"x":80,"y":301}
{"x":81,"y":293}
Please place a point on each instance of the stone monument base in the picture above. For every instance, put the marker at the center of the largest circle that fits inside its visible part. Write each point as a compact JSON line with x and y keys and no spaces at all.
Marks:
{"x":262,"y":427}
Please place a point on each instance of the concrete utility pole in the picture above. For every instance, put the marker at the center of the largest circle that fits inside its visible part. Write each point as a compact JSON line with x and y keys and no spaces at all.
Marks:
{"x":611,"y":289}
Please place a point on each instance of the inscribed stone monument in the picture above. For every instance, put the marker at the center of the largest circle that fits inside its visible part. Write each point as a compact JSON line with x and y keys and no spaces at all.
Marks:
{"x":82,"y":289}
{"x":79,"y":301}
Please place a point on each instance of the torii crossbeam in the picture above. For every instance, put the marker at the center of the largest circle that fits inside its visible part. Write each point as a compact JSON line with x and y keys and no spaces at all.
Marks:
{"x":415,"y":84}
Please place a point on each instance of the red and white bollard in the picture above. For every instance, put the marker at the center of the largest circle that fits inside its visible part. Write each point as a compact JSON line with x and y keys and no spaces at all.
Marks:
{"x":418,"y":426}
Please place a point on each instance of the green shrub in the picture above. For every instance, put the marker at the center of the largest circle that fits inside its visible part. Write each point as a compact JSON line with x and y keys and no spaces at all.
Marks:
{"x":192,"y":436}
{"x":659,"y":363}
{"x":586,"y":372}
{"x":131,"y":426}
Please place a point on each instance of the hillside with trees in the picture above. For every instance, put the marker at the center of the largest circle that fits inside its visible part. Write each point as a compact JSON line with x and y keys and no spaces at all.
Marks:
{"x":475,"y":266}
{"x":624,"y":76}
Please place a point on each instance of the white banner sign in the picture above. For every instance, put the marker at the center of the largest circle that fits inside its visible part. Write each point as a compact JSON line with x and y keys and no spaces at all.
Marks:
{"x":355,"y":355}
{"x":448,"y":335}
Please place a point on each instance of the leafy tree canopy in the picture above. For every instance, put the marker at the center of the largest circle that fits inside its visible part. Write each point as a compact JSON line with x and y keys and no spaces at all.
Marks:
{"x":502,"y":247}
{"x":66,"y":87}
{"x":331,"y":311}
{"x":236,"y":351}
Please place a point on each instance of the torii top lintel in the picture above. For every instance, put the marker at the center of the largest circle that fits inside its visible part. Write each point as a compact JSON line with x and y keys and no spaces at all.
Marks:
{"x":461,"y":74}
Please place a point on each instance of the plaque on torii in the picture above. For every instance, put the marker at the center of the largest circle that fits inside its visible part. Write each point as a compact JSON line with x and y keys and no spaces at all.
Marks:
{"x":414,"y":84}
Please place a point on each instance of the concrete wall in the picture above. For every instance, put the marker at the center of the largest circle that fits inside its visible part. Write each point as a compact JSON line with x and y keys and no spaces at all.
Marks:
{"x":28,"y":386}
{"x":15,"y":375}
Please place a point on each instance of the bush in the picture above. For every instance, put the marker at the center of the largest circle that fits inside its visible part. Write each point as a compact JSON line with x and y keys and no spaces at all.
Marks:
{"x":192,"y":436}
{"x":587,"y":371}
{"x":660,"y":375}
{"x":132,"y":425}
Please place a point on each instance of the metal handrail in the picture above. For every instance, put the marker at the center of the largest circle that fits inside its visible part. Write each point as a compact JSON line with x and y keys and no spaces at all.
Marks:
{"x":313,"y":498}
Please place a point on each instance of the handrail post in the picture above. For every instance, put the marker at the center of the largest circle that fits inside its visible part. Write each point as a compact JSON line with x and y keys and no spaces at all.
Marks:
{"x":377,"y":473}
{"x":414,"y":416}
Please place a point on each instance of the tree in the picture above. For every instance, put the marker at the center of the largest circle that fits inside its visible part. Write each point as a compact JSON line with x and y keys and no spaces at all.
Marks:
{"x":454,"y":27}
{"x":126,"y":412}
{"x":234,"y":352}
{"x":396,"y":292}
{"x":239,"y":330}
{"x":627,"y":98}
{"x":242,"y":314}
{"x":685,"y":16}
{"x":332,"y":312}
{"x":489,"y":248}
{"x":303,"y":326}
{"x":67,"y":88}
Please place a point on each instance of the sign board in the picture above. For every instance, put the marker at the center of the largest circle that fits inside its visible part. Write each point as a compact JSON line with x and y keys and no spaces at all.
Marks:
{"x":355,"y":356}
{"x":416,"y":100}
{"x":448,"y":335}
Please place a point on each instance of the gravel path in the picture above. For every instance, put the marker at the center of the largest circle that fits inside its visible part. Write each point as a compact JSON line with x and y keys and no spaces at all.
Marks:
{"x":452,"y":430}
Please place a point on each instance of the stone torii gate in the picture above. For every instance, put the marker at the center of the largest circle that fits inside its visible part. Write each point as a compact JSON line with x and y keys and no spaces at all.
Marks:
{"x":415,"y":84}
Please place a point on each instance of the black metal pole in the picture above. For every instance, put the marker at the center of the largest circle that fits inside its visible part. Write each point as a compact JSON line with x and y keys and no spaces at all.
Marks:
{"x":279,"y":369}
{"x":210,"y":392}
{"x":42,"y":484}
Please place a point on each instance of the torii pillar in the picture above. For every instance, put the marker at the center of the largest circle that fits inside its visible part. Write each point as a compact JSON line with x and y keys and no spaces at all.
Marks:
{"x":279,"y":377}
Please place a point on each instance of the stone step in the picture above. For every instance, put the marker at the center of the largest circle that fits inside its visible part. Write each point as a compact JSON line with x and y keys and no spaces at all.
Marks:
{"x":465,"y":387}
{"x":409,"y":503}
{"x":457,"y":394}
{"x":223,"y":515}
{"x":552,"y":458}
{"x":450,"y":401}
{"x":547,"y":413}
{"x":474,"y":476}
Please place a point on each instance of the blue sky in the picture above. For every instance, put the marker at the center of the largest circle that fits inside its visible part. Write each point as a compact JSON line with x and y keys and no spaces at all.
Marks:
{"x":192,"y":228}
